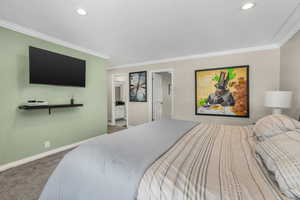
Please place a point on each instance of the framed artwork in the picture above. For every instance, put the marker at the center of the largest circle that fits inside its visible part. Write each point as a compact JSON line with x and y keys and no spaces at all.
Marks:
{"x":222,"y":91}
{"x":138,"y":86}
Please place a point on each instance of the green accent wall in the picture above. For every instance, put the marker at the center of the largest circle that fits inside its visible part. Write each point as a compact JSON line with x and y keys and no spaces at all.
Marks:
{"x":23,"y":133}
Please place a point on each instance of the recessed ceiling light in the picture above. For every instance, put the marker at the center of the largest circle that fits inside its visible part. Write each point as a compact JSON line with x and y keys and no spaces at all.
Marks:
{"x":81,"y":12}
{"x":248,"y":6}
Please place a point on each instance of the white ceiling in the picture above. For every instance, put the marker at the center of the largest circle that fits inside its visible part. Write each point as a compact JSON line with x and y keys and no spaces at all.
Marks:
{"x":134,"y":31}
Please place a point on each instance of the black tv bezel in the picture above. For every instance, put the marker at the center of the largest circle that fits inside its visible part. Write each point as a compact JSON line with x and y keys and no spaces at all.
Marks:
{"x":63,"y":85}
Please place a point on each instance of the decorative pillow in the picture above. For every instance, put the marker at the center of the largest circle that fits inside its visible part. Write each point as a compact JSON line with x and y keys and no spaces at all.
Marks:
{"x":281,"y":155}
{"x":274,"y":125}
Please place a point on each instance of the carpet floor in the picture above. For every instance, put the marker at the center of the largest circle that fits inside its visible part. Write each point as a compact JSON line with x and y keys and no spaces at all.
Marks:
{"x":26,"y":182}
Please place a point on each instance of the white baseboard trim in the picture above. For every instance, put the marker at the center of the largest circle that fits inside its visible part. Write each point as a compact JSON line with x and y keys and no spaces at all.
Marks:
{"x":41,"y":155}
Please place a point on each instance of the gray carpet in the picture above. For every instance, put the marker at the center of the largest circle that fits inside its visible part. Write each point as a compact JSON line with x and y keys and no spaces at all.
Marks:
{"x":26,"y":182}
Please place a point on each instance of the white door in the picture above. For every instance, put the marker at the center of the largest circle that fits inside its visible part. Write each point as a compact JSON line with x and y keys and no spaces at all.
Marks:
{"x":157,"y":99}
{"x":167,"y":95}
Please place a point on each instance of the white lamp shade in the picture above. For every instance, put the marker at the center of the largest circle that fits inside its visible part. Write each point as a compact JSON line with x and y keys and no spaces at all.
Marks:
{"x":278,"y":99}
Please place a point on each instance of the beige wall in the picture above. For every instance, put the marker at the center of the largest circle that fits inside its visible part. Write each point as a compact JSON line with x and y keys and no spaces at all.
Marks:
{"x":290,"y":72}
{"x":264,"y":75}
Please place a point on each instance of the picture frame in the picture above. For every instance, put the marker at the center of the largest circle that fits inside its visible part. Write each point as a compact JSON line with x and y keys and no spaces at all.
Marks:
{"x":222,"y":91}
{"x":138,"y":86}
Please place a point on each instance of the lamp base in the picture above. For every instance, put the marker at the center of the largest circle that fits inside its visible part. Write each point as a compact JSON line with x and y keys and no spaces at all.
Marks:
{"x":276,"y":111}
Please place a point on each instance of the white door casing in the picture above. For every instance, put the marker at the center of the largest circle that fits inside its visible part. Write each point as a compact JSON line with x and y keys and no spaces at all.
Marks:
{"x":150,"y":94}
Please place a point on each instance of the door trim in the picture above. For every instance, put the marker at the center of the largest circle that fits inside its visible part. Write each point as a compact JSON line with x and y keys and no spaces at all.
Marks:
{"x":150,"y":88}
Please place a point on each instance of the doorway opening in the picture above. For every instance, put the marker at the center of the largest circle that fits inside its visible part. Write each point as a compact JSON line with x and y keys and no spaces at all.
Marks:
{"x":162,"y":95}
{"x":119,"y":108}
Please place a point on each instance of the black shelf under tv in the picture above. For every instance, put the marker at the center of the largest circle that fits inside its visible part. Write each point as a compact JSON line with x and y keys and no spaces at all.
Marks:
{"x":49,"y":107}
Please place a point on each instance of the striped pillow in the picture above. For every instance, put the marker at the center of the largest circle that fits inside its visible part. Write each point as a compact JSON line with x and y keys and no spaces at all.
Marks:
{"x":281,"y":156}
{"x":274,"y":125}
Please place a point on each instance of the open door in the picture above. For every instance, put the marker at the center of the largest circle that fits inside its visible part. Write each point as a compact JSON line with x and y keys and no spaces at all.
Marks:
{"x":157,"y":97}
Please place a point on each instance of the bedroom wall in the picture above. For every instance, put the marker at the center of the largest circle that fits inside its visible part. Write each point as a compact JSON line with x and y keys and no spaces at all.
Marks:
{"x":290,"y":72}
{"x":23,"y":133}
{"x":264,"y":75}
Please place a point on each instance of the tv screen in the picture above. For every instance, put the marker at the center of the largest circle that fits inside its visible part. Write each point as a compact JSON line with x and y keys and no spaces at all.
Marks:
{"x":46,"y":67}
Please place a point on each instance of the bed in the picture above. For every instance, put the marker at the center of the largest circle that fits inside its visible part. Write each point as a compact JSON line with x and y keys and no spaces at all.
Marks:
{"x":166,"y":160}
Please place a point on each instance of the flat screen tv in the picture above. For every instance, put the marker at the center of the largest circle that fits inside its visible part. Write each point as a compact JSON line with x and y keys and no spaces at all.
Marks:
{"x":46,"y":67}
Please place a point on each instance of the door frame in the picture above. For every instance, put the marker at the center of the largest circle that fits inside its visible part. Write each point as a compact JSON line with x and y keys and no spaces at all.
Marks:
{"x":150,"y":94}
{"x":113,"y":97}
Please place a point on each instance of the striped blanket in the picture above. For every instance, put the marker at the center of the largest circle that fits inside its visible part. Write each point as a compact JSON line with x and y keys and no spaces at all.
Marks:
{"x":209,"y":162}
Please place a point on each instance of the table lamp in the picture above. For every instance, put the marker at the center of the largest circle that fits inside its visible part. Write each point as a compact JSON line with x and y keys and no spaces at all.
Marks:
{"x":278,"y":100}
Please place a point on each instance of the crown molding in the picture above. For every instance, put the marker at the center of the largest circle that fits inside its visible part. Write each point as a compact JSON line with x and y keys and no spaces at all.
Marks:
{"x":291,"y":34}
{"x":206,"y":55}
{"x":289,"y":28}
{"x":39,"y":35}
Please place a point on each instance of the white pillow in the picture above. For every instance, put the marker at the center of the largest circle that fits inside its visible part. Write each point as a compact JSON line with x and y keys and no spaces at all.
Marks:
{"x":272,"y":125}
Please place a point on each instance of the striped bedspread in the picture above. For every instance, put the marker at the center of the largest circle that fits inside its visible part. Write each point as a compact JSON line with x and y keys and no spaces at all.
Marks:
{"x":210,"y":162}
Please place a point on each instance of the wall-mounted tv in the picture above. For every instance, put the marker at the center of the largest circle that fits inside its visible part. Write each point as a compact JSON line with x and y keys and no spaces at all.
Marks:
{"x":46,"y":67}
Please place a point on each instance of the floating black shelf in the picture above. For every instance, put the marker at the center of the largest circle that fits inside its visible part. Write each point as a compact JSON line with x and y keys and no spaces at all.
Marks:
{"x":49,"y":107}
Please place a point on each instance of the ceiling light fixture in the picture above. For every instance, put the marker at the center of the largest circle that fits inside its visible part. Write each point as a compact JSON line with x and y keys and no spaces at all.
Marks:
{"x":248,"y":6}
{"x":81,"y":12}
